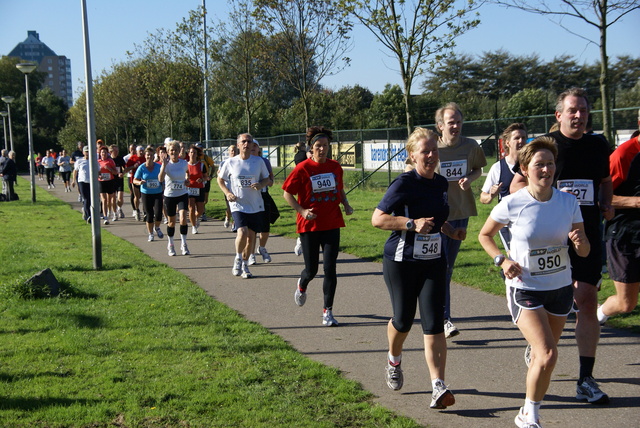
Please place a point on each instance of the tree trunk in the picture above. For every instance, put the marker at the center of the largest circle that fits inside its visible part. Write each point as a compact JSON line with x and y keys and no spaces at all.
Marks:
{"x":604,"y":76}
{"x":408,"y":106}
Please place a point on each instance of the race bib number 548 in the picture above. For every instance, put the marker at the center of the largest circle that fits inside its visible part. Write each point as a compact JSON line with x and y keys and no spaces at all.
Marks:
{"x":427,"y":247}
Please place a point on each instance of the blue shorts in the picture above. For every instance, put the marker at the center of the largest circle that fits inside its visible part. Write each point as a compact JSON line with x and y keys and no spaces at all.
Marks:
{"x":253,"y":221}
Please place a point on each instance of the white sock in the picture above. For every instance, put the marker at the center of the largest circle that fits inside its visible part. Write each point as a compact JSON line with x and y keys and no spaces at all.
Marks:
{"x":601,"y":316}
{"x":239,"y":256}
{"x":183,"y":239}
{"x":170,"y":240}
{"x":435,"y":381}
{"x":531,"y":410}
{"x":394,"y":360}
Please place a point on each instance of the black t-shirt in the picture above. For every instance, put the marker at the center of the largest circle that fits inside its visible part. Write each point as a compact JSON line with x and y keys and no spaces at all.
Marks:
{"x":299,"y":157}
{"x":77,"y":154}
{"x":411,"y":195}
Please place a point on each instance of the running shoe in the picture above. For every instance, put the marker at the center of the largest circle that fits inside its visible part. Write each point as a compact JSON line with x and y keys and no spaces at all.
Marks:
{"x":328,"y":320}
{"x":300,"y":296}
{"x":194,"y":230}
{"x":120,"y":213}
{"x":150,"y":237}
{"x":245,"y":272}
{"x":185,"y":250}
{"x":79,"y":198}
{"x":106,"y":220}
{"x":49,"y":186}
{"x":198,"y":222}
{"x":441,"y":398}
{"x":226,"y":222}
{"x":297,"y":250}
{"x":115,"y":217}
{"x":394,"y":377}
{"x":590,"y":391}
{"x":171,"y":250}
{"x":159,"y":233}
{"x":521,"y":421}
{"x":266,"y":258}
{"x":165,"y":220}
{"x":237,"y":265}
{"x":527,"y":355}
{"x":204,"y":217}
{"x":450,"y":330}
{"x":136,"y":215}
{"x":252,"y":260}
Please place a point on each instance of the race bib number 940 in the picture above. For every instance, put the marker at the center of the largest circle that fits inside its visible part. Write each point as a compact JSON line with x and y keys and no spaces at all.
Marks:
{"x":427,"y":247}
{"x":548,"y":261}
{"x":581,"y":189}
{"x":454,"y":170}
{"x":323,"y":183}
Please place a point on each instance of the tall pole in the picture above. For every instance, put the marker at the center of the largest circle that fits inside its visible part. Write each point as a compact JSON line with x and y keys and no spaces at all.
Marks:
{"x":93,"y":153}
{"x":27,"y":68}
{"x":206,"y":72}
{"x":7,"y":99}
{"x":4,"y":127}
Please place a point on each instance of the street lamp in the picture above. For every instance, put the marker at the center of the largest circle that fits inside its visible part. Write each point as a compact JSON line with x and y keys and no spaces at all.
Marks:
{"x":26,"y":68}
{"x":4,"y":127}
{"x":9,"y":99}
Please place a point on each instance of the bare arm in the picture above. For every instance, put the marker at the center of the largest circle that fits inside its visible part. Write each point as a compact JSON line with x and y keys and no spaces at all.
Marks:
{"x":519,"y":181}
{"x":579,"y":239}
{"x":625,"y":202}
{"x":605,"y":197}
{"x":491,"y":227}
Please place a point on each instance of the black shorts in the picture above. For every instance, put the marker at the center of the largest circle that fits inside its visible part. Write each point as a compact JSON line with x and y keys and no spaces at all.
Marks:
{"x":173,"y":204}
{"x":107,"y":187}
{"x":118,"y":184}
{"x":207,"y":187}
{"x":556,"y":302}
{"x":253,"y":221}
{"x":588,"y":269}
{"x":199,"y":197}
{"x":623,"y":261}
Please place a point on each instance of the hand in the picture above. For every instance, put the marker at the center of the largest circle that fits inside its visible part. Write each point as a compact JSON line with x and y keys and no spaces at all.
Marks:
{"x":495,"y":189}
{"x":256,"y":186}
{"x":607,"y":211}
{"x":348,"y":210}
{"x":578,"y":237}
{"x":309,"y":215}
{"x":464,"y":183}
{"x":511,"y":269}
{"x":231,"y":197}
{"x":424,"y":225}
{"x":459,"y":233}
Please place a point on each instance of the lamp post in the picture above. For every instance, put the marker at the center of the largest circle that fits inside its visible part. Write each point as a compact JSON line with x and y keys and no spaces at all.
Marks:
{"x":9,"y":99}
{"x":4,"y":127}
{"x":26,"y":68}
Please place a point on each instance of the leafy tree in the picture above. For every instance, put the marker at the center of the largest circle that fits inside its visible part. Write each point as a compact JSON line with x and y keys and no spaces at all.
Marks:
{"x":349,"y":106}
{"x":528,"y":102}
{"x":387,"y":108}
{"x":414,"y":32}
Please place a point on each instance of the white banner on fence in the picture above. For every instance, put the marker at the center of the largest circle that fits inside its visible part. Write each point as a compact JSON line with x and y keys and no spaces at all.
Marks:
{"x":376,"y":154}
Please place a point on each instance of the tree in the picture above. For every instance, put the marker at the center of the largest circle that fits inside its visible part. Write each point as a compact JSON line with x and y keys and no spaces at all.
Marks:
{"x":387,"y":109}
{"x":311,"y":39}
{"x":414,"y":32}
{"x":600,"y":14}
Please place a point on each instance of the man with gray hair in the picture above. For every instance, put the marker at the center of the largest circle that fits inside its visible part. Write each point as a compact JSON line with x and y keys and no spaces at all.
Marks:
{"x":9,"y":173}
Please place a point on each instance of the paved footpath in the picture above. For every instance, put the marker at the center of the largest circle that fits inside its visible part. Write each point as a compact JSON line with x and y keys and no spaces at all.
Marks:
{"x":485,"y":367}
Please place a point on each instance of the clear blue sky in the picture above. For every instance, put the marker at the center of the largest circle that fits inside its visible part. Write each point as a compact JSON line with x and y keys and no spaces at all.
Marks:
{"x":116,"y":25}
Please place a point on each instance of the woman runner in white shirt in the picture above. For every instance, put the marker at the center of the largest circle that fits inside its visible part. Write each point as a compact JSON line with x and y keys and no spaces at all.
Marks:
{"x":174,"y":172}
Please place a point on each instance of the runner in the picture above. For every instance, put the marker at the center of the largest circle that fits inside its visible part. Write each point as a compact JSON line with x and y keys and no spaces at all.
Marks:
{"x":198,"y":176}
{"x":175,"y":175}
{"x":147,"y":177}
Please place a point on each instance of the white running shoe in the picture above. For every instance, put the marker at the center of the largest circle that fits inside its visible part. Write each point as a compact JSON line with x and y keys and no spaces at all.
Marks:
{"x":159,"y":233}
{"x":394,"y":377}
{"x":106,"y":220}
{"x":171,"y":250}
{"x":441,"y":397}
{"x":136,"y":215}
{"x":150,"y":237}
{"x":185,"y":250}
{"x":266,"y":258}
{"x":237,"y":265}
{"x":328,"y":320}
{"x":226,"y":222}
{"x":79,"y":198}
{"x":245,"y":272}
{"x":297,"y":250}
{"x":115,"y":217}
{"x":521,"y":421}
{"x":252,"y":260}
{"x":590,"y":391}
{"x":300,"y":296}
{"x":120,"y":213}
{"x":450,"y":330}
{"x":194,"y":230}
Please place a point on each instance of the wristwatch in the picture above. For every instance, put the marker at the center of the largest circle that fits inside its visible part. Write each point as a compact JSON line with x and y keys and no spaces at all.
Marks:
{"x":410,"y":225}
{"x":499,"y":259}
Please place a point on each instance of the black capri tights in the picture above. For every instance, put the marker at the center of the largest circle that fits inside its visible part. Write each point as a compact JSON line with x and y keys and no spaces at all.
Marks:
{"x":152,"y":204}
{"x":329,"y":241}
{"x":416,"y":283}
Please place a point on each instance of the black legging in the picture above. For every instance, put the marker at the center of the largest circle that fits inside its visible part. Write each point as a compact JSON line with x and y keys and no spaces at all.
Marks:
{"x":416,"y":283}
{"x":51,"y":175}
{"x":329,"y":240}
{"x":152,"y":204}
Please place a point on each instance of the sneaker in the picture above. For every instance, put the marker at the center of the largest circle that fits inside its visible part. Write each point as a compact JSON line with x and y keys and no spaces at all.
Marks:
{"x":114,"y":217}
{"x":79,"y":198}
{"x":527,"y":355}
{"x":245,"y":272}
{"x":521,"y":421}
{"x":194,"y":230}
{"x":203,"y":218}
{"x":441,"y":398}
{"x":237,"y":264}
{"x":106,"y":220}
{"x":150,"y":237}
{"x":165,"y":220}
{"x":49,"y":186}
{"x":252,"y":260}
{"x":450,"y":330}
{"x":120,"y":213}
{"x":300,"y":296}
{"x":226,"y":222}
{"x":602,"y":318}
{"x":266,"y":258}
{"x":171,"y":250}
{"x":297,"y":250}
{"x":159,"y":233}
{"x":590,"y":391}
{"x":328,"y":320}
{"x":394,"y":377}
{"x":185,"y":250}
{"x":136,"y":215}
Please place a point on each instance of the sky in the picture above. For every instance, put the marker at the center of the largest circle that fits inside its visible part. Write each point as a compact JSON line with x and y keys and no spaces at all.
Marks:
{"x":116,"y":26}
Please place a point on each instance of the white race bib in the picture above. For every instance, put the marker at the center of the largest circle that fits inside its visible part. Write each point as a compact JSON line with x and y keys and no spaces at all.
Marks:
{"x":246,"y":180}
{"x":105,"y":176}
{"x":177,"y":185}
{"x":427,"y":247}
{"x":548,"y":261}
{"x":582,"y":189}
{"x":323,"y":182}
{"x":194,"y":191}
{"x":152,"y":184}
{"x":453,"y":170}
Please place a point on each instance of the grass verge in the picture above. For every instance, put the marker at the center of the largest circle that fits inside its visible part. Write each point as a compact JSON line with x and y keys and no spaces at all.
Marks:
{"x":137,"y":344}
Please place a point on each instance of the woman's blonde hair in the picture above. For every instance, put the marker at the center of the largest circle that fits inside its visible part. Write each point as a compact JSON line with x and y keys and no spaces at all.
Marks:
{"x":416,"y":136}
{"x":541,"y":143}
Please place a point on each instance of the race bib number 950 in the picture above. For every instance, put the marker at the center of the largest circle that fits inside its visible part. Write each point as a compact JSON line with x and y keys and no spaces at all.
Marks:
{"x":548,"y":261}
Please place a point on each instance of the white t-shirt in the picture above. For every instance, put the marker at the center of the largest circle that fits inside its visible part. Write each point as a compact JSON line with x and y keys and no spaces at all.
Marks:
{"x":493,"y":177}
{"x":240,"y":174}
{"x":174,"y":178}
{"x":539,"y":240}
{"x":82,"y":166}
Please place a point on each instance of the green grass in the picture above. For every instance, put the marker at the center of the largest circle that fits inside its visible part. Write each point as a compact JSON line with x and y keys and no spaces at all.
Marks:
{"x":473,"y":266}
{"x":137,"y":344}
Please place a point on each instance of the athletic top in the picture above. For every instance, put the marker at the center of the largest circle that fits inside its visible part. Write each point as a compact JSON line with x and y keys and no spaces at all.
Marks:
{"x":240,"y":174}
{"x":64,"y":162}
{"x":196,"y":171}
{"x":411,"y":195}
{"x":82,"y":166}
{"x":48,"y":162}
{"x":120,"y":163}
{"x":620,"y":161}
{"x":175,"y":174}
{"x":457,"y":162}
{"x":500,"y":172}
{"x":152,"y":185}
{"x":132,"y":161}
{"x":539,"y":241}
{"x":318,"y":187}
{"x":105,"y":174}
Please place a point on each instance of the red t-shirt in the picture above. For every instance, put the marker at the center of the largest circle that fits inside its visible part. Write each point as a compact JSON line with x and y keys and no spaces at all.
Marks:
{"x":318,"y":186}
{"x":105,"y":174}
{"x":196,"y":171}
{"x":620,"y":161}
{"x":134,"y":160}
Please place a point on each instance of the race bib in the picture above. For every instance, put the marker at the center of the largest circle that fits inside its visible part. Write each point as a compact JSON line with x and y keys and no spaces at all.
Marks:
{"x":581,"y":189}
{"x":323,"y":183}
{"x":104,"y":176}
{"x":152,"y":184}
{"x":177,"y":185}
{"x":548,"y":261}
{"x":427,"y":247}
{"x":246,"y":180}
{"x":453,"y":170}
{"x":194,"y":191}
